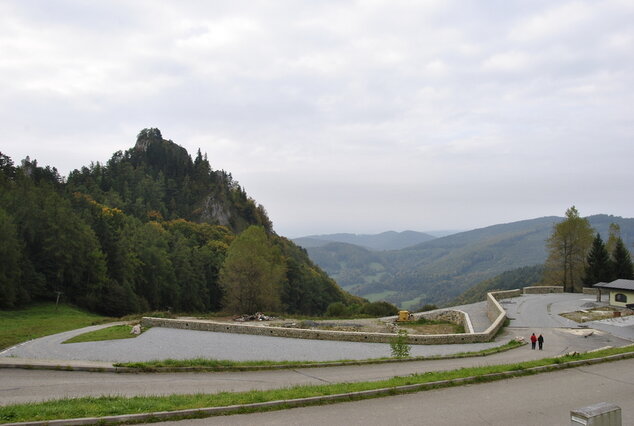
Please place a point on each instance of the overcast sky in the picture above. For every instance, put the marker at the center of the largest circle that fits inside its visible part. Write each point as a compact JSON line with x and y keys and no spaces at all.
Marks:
{"x":341,"y":116}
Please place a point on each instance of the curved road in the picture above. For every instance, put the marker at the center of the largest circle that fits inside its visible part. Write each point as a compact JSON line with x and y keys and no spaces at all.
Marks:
{"x":544,"y":399}
{"x":17,"y":385}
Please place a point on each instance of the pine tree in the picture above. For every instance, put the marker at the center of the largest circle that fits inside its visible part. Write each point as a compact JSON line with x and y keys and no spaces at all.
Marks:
{"x":614,"y":235}
{"x":598,"y":268}
{"x":622,"y":261}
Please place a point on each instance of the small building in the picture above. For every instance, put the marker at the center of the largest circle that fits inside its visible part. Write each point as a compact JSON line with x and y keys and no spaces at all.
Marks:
{"x":621,"y":292}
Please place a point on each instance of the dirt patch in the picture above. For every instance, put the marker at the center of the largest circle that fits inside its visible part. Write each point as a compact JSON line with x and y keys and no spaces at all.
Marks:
{"x":359,"y":325}
{"x":363,"y":325}
{"x":447,"y":328}
{"x":596,"y":314}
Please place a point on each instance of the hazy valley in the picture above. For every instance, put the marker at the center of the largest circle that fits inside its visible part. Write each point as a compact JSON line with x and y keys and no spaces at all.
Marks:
{"x":440,"y":270}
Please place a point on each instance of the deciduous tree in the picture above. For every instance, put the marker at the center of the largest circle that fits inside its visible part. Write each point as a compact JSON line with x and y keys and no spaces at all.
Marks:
{"x":252,"y":274}
{"x":568,"y":248}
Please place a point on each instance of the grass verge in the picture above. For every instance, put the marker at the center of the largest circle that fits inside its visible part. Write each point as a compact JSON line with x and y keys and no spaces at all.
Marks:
{"x":205,"y":364}
{"x":110,"y":333}
{"x":116,"y":405}
{"x":20,"y":325}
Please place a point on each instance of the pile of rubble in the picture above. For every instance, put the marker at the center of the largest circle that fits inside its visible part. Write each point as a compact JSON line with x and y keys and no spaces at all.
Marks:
{"x":258,"y":316}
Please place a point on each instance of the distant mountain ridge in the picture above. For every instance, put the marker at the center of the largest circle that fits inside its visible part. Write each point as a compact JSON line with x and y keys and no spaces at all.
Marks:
{"x":389,"y":240}
{"x":439,"y":270}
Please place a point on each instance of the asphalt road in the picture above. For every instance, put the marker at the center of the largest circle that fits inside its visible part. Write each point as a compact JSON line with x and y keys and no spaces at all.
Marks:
{"x":537,"y":314}
{"x":545,"y":399}
{"x":18,"y":385}
{"x":542,"y":311}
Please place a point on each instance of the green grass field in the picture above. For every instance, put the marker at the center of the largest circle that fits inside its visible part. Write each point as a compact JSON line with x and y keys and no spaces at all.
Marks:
{"x":20,"y":325}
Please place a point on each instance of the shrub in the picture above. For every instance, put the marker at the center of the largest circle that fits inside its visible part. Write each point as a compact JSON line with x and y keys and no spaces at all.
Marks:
{"x":379,"y":309}
{"x":399,"y":345}
{"x":336,"y":309}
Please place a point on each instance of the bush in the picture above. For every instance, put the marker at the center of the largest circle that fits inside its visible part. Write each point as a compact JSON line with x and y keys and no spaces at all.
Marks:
{"x":379,"y":309}
{"x":336,"y":309}
{"x":399,"y":345}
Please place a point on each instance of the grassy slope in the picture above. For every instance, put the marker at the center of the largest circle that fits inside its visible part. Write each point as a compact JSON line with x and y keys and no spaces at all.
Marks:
{"x":18,"y":326}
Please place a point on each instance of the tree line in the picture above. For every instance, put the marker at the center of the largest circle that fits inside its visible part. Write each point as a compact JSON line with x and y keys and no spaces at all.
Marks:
{"x":578,"y":257}
{"x":135,"y":235}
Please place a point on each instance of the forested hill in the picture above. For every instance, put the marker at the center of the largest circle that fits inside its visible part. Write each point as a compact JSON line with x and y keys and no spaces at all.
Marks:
{"x":158,"y":179}
{"x":148,"y":230}
{"x":439,"y":270}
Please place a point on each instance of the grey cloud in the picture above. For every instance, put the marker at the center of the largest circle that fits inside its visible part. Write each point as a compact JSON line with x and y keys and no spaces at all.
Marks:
{"x":340,"y":116}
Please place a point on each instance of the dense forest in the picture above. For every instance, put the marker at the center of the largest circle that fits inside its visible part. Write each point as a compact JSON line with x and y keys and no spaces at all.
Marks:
{"x":148,"y":230}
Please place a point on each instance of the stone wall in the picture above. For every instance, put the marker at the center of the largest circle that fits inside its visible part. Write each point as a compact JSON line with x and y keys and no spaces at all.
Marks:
{"x":496,"y":314}
{"x":494,"y":309}
{"x":590,"y":290}
{"x":297,"y":333}
{"x":453,"y":316}
{"x":543,"y":289}
{"x":505,"y":294}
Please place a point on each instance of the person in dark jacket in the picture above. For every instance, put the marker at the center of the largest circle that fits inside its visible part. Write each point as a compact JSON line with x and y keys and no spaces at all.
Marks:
{"x":540,"y":340}
{"x":533,"y":340}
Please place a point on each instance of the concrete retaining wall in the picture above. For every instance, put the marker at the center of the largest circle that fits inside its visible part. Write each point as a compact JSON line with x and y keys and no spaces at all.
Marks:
{"x":543,"y":289}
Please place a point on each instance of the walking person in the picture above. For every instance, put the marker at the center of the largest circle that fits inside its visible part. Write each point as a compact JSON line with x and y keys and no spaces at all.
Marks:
{"x":533,"y":340}
{"x":540,"y":340}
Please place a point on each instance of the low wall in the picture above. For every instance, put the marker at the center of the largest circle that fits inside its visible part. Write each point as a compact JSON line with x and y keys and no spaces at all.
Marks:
{"x":590,"y":290}
{"x":297,"y":333}
{"x":453,"y":316}
{"x":494,"y":309}
{"x":495,"y":312}
{"x":543,"y":289}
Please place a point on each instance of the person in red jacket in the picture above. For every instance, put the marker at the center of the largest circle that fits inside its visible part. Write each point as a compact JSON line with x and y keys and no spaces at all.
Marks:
{"x":533,"y":340}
